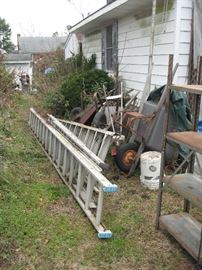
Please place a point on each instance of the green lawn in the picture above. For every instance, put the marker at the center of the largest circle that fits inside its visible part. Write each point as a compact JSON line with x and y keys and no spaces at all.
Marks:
{"x":42,"y":227}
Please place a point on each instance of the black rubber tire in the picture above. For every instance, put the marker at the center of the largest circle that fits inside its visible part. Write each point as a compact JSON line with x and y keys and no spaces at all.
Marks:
{"x":125,"y":150}
{"x":75,"y":111}
{"x":99,"y":120}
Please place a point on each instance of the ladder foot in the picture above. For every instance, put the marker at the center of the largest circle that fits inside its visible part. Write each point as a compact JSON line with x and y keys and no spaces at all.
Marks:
{"x":105,"y":235}
{"x":110,"y":189}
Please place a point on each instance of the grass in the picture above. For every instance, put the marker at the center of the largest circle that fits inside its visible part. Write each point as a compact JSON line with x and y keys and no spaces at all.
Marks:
{"x":42,"y":227}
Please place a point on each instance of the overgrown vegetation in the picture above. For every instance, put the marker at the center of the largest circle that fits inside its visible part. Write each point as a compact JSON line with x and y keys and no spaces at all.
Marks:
{"x":43,"y":228}
{"x":88,"y":82}
{"x":5,"y":84}
{"x":71,"y":82}
{"x":5,"y":95}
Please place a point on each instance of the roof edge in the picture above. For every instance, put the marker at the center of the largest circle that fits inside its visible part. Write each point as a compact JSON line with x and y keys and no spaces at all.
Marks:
{"x":98,"y":13}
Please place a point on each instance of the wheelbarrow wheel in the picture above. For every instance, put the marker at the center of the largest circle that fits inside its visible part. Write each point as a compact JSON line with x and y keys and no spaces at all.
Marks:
{"x":125,"y":156}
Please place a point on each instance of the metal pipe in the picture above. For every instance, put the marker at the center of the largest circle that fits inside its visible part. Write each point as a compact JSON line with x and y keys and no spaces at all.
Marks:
{"x":151,"y":50}
{"x":121,"y":118}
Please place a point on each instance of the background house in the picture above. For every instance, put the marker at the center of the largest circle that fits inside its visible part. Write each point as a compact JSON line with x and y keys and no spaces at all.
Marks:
{"x":120,"y":35}
{"x":40,"y":46}
{"x":19,"y":64}
{"x":29,"y":51}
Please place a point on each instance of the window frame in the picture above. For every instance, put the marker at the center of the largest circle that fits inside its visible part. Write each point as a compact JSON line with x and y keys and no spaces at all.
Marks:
{"x":109,"y":47}
{"x":113,"y":48}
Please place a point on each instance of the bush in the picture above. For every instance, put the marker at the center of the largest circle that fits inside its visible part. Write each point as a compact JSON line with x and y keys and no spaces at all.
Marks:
{"x":57,"y":103}
{"x":82,"y":78}
{"x":79,"y":63}
{"x":89,"y":81}
{"x":6,"y":80}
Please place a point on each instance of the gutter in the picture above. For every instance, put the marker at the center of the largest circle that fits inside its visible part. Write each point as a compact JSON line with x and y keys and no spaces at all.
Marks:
{"x":95,"y":15}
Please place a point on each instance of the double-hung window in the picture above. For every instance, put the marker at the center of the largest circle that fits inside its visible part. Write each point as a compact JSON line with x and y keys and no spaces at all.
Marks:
{"x":109,"y":47}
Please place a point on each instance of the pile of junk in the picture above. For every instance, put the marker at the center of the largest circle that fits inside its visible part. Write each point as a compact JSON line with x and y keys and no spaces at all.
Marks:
{"x":142,"y":128}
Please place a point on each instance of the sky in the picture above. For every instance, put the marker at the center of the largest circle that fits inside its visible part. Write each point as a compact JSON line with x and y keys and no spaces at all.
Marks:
{"x":44,"y":17}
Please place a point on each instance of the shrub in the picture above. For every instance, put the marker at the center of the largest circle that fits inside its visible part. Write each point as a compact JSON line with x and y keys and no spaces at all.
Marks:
{"x":5,"y":84}
{"x":79,"y":63}
{"x":89,"y":81}
{"x":82,"y":77}
{"x":56,"y":102}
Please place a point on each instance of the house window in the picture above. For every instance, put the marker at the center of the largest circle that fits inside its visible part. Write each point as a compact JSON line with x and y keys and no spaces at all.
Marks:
{"x":109,"y":48}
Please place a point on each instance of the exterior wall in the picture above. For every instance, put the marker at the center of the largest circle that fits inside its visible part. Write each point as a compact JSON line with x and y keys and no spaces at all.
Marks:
{"x":18,"y":69}
{"x":183,"y":37}
{"x":71,"y":46}
{"x":134,"y":44}
{"x":172,"y":36}
{"x":92,"y":45}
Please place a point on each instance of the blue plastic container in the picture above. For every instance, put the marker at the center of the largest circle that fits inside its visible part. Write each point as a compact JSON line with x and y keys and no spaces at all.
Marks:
{"x":200,"y":126}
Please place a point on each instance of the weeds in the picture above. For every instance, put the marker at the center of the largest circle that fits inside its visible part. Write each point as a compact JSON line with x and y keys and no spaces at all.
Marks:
{"x":42,"y":227}
{"x":70,"y":82}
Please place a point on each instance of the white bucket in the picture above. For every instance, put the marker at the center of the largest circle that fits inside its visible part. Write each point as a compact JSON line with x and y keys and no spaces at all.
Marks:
{"x":150,"y":163}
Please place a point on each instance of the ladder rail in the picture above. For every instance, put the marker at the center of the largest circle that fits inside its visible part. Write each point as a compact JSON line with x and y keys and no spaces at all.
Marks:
{"x":82,"y":176}
{"x":74,"y":139}
{"x":109,"y":136}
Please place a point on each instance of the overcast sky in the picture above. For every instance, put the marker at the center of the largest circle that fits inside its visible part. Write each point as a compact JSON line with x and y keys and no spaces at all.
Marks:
{"x":44,"y":17}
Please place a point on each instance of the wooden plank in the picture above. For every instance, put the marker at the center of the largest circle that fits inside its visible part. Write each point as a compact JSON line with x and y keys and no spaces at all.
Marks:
{"x":189,"y":186}
{"x":194,"y":89}
{"x":137,"y":115}
{"x":185,"y":229}
{"x":191,"y":139}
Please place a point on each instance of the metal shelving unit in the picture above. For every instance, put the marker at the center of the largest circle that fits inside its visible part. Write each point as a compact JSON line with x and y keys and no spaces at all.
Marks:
{"x":182,"y":226}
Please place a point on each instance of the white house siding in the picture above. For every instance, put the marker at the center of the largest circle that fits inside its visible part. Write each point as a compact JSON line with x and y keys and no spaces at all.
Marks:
{"x":71,"y":46}
{"x":92,"y":45}
{"x":18,"y":69}
{"x":183,"y":37}
{"x":172,"y":36}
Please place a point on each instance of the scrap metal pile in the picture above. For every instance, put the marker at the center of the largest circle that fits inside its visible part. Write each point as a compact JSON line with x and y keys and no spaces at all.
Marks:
{"x":78,"y":151}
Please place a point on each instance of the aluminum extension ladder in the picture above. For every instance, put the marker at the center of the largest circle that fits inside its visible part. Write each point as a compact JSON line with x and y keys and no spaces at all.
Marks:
{"x":77,"y":141}
{"x":81,"y":174}
{"x":97,"y":140}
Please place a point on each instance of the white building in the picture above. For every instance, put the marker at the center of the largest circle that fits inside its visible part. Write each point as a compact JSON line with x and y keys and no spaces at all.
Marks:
{"x":19,"y":63}
{"x":120,"y":36}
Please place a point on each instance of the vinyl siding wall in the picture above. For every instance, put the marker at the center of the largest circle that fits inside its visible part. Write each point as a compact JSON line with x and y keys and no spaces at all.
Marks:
{"x":183,"y":37}
{"x":172,"y":36}
{"x":92,"y":45}
{"x":71,"y":46}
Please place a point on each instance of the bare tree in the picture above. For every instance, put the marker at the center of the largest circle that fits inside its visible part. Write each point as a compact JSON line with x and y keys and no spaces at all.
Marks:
{"x":79,"y":10}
